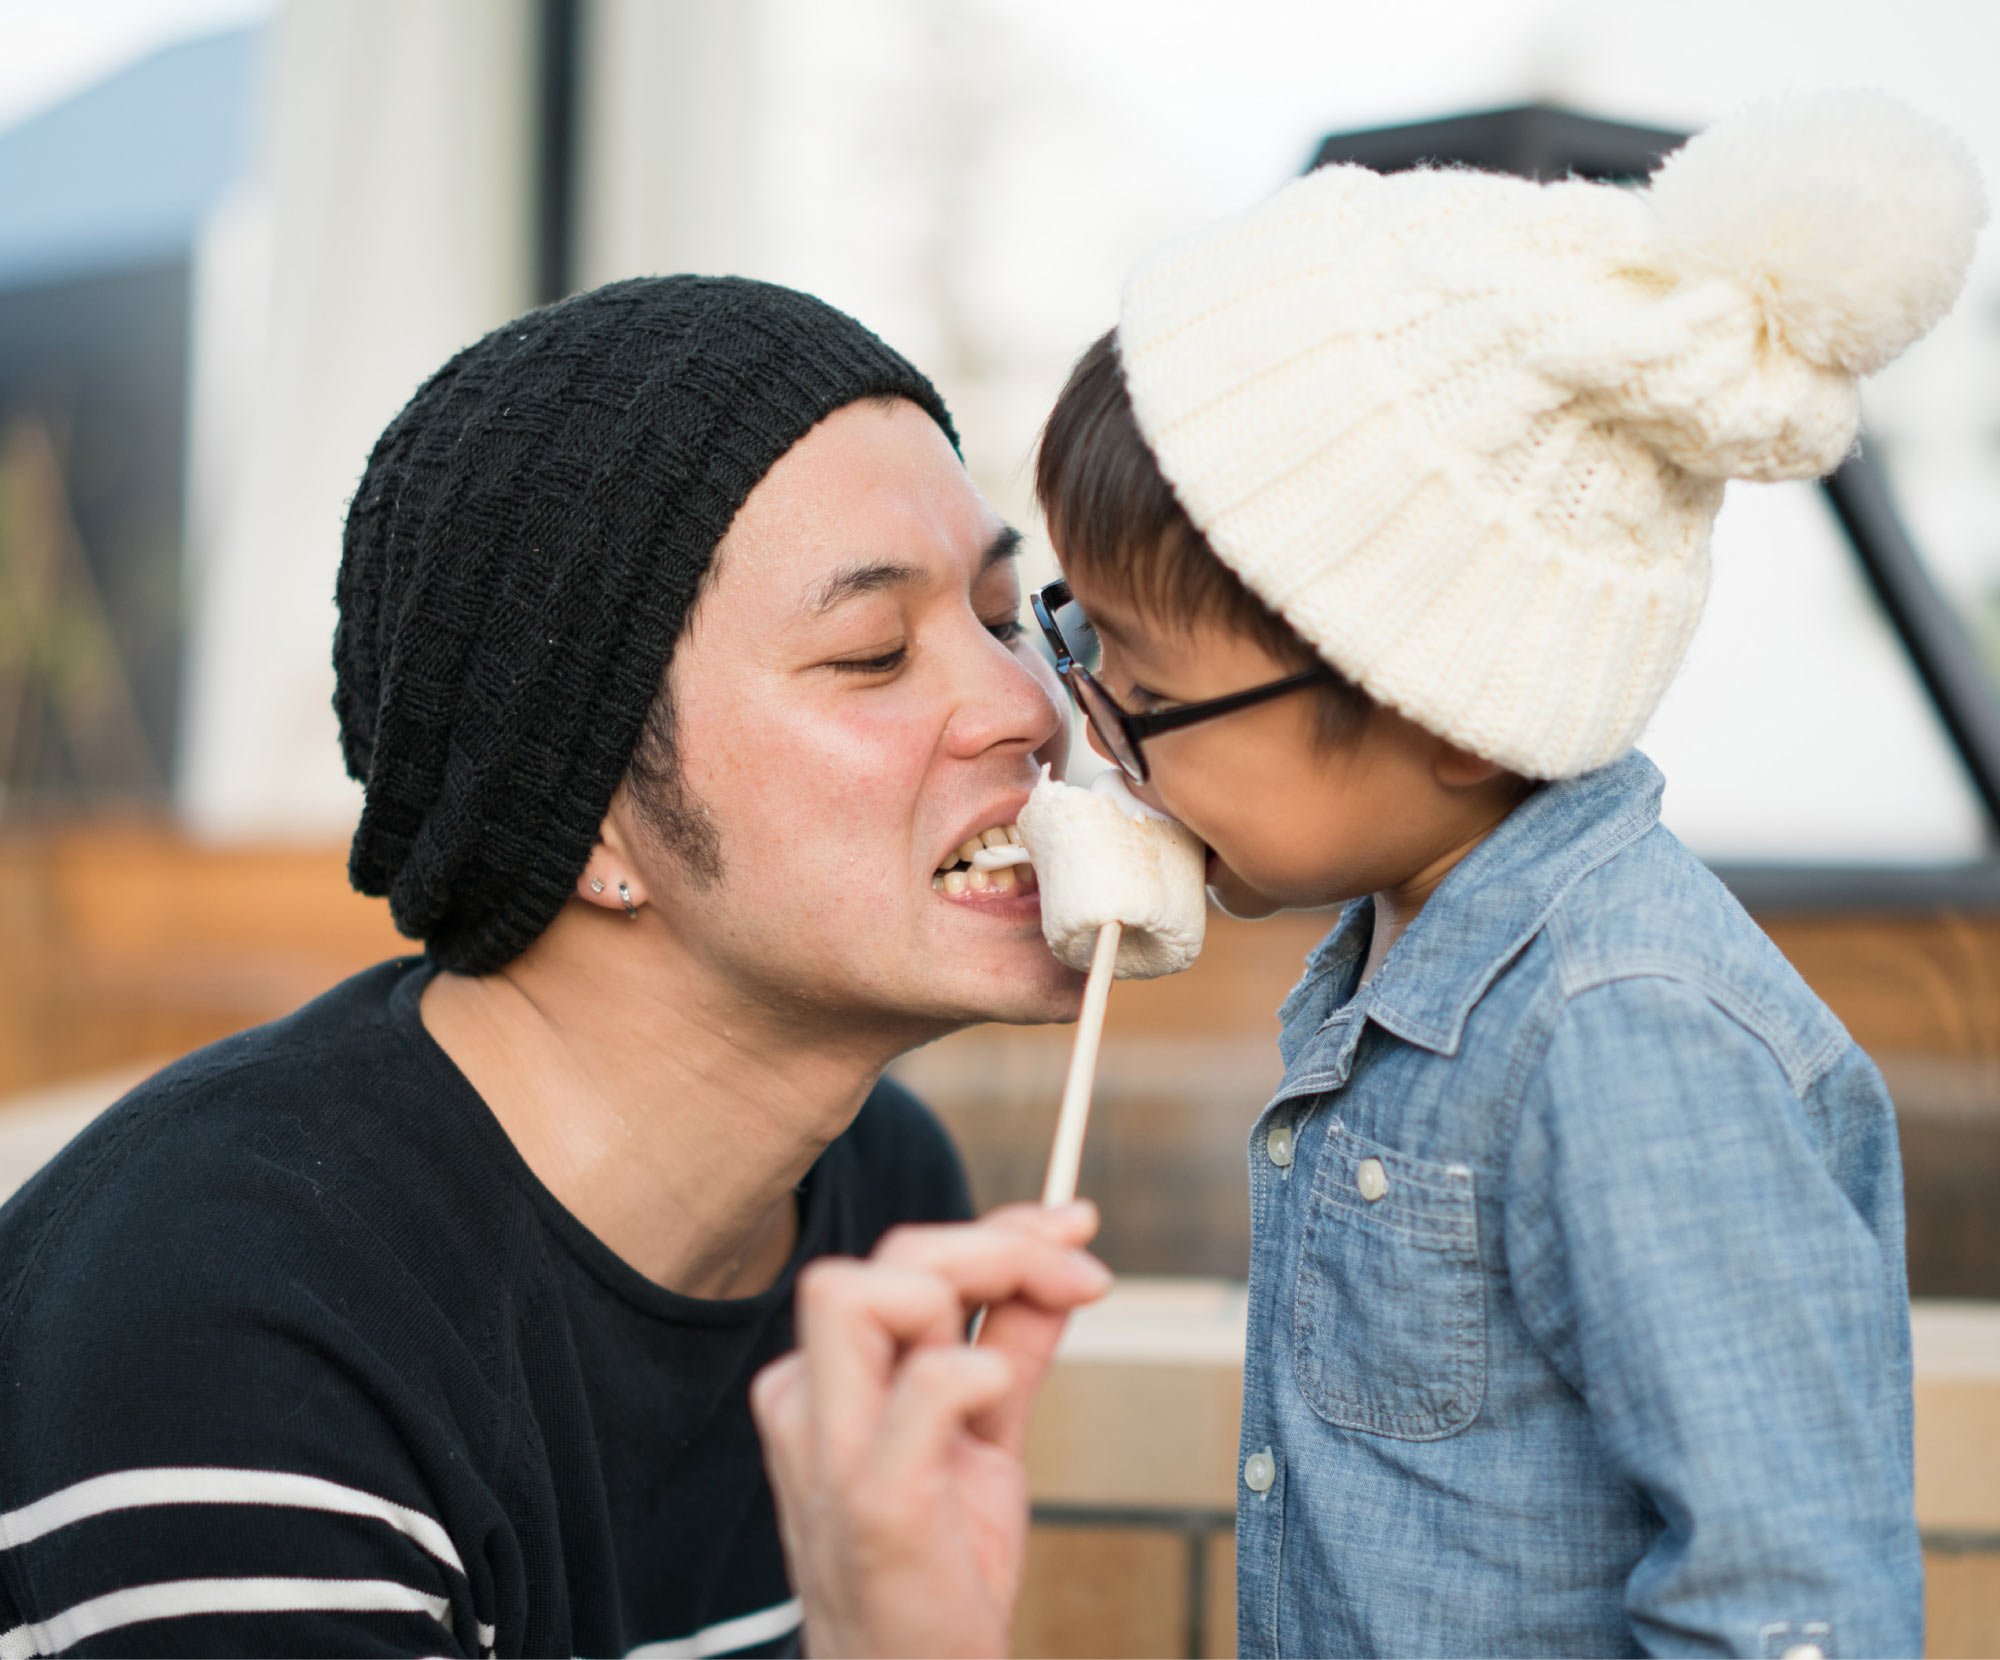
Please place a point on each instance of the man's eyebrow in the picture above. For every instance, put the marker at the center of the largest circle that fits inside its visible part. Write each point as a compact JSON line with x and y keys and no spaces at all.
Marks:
{"x":872,"y":576}
{"x":1005,"y":544}
{"x":868,"y":577}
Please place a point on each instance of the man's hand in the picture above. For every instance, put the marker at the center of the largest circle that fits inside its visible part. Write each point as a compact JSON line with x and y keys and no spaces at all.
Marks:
{"x":895,"y":1447}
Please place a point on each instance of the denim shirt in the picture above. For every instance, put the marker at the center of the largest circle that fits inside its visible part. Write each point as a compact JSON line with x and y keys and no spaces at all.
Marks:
{"x":1578,"y":1318}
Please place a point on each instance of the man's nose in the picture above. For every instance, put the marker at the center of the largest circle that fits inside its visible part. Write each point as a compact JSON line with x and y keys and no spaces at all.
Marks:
{"x":1003,"y":700}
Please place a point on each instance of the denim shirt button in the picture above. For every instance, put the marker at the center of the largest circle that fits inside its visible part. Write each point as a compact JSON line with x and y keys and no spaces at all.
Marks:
{"x":1278,"y":1145}
{"x":1371,"y":1179}
{"x":1260,"y":1469}
{"x":1804,"y":1651}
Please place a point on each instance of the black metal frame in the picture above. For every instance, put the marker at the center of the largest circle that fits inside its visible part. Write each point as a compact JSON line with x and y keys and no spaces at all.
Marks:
{"x":1541,"y":142}
{"x":558,"y":111}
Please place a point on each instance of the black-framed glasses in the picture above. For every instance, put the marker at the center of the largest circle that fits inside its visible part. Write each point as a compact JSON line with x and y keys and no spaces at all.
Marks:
{"x":1122,"y":733}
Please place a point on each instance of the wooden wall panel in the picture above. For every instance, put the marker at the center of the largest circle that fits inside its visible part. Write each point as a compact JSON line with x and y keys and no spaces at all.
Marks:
{"x":1103,"y":1591}
{"x":1922,"y":995}
{"x":1926,"y":984}
{"x":1219,"y":1637}
{"x":1961,"y":1605}
{"x":124,"y":943}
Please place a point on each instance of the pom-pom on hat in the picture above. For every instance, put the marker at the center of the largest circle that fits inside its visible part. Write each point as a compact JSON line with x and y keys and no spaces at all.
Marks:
{"x":1468,"y":433}
{"x":520,"y":559}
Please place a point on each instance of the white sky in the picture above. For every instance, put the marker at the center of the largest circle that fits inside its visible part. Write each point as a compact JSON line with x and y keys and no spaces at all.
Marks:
{"x":1239,"y":92}
{"x":52,"y":48}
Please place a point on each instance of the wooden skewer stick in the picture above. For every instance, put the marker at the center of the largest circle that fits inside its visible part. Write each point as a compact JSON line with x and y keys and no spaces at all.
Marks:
{"x":1066,"y":1156}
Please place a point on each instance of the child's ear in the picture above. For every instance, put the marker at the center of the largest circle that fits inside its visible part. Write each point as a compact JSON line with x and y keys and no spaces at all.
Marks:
{"x":1460,"y":769}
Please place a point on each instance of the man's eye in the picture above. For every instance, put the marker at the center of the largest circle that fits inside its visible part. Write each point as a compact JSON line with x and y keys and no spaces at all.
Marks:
{"x":886,"y":663}
{"x":1007,"y":633}
{"x":1144,"y":700}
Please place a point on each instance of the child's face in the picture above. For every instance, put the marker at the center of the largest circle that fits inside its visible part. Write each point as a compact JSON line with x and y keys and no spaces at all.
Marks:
{"x":1291,"y":822}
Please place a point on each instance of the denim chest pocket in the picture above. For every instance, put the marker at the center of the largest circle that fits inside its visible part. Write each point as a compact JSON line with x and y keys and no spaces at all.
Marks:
{"x":1389,"y":1320}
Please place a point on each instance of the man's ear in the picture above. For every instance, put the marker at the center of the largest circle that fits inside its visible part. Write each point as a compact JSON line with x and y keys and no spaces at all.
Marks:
{"x":1460,"y":769}
{"x":611,"y":876}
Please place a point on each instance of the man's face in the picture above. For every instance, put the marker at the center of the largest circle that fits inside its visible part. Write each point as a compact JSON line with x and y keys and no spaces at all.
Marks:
{"x":854,"y":699}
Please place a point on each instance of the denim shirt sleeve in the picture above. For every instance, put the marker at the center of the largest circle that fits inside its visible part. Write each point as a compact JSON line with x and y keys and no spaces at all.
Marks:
{"x":1686,"y":1260}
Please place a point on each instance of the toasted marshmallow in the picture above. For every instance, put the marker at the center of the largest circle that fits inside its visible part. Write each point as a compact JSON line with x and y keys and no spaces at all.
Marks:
{"x":1103,"y":855}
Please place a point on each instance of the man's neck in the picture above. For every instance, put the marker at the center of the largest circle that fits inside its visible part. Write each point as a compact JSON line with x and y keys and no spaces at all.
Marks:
{"x":672,"y":1118}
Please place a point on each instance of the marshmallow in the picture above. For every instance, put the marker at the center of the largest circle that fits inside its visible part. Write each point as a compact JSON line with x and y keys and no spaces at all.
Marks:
{"x":1102,"y":855}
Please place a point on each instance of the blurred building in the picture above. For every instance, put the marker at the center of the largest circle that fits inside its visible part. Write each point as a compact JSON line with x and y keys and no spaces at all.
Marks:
{"x":103,"y":202}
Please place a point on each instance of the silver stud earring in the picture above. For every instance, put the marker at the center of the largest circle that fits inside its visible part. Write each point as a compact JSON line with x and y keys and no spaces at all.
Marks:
{"x":625,"y":894}
{"x":597,"y":884}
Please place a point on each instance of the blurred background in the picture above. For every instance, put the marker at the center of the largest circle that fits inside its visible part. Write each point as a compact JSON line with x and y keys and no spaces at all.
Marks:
{"x":236,"y":234}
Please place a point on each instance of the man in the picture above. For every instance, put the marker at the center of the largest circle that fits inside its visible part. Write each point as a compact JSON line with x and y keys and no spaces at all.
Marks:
{"x":677,"y":654}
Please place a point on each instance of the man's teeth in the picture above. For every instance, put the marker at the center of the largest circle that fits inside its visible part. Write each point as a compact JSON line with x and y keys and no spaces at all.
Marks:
{"x":994,"y":861}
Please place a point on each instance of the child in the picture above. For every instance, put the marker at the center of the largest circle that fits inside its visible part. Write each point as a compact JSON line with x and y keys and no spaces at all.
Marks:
{"x":1578,"y":1319}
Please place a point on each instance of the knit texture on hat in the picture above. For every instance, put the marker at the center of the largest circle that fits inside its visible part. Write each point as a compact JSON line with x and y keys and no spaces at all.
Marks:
{"x":521,"y":556}
{"x":1468,"y":434}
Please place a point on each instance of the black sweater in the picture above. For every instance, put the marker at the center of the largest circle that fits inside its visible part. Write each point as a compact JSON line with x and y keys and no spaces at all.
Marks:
{"x":297,"y":1356}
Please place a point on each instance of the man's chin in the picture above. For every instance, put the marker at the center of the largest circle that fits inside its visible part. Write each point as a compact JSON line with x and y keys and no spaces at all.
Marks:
{"x":1028,"y":1001}
{"x":1058,"y":1006}
{"x":1038,"y":992}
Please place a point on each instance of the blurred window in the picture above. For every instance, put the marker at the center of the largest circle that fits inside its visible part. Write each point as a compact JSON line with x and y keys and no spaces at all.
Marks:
{"x":103,"y":197}
{"x":92,"y":393}
{"x":1798,"y":731}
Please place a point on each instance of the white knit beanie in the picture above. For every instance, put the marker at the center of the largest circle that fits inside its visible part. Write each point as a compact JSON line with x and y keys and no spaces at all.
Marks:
{"x":1468,"y":434}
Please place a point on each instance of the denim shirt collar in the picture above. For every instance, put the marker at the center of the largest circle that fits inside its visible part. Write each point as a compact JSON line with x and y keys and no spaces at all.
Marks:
{"x":1487,"y":910}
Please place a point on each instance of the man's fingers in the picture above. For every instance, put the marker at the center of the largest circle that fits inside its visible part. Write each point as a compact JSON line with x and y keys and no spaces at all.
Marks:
{"x":776,"y":1398}
{"x":1009,"y":1255}
{"x":853,"y":1320}
{"x":1025,"y":1264}
{"x":938,"y":1393}
{"x":1027,"y":1336}
{"x":778,"y":1407}
{"x":882,"y":1357}
{"x":1072,"y":1224}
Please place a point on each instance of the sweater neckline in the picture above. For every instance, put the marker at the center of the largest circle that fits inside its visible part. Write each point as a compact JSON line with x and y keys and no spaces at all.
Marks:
{"x":596,"y":1258}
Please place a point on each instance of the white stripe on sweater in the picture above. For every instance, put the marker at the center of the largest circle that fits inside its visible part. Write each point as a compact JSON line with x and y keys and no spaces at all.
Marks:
{"x":745,"y":1631}
{"x":138,"y":1489}
{"x":175,"y":1599}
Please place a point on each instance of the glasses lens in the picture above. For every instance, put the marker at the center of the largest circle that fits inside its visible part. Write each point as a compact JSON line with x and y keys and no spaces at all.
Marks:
{"x":1078,"y":635}
{"x":1099,"y":710}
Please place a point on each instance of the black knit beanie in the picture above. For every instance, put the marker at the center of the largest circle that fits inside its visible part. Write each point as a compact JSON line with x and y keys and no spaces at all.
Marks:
{"x":520,"y":559}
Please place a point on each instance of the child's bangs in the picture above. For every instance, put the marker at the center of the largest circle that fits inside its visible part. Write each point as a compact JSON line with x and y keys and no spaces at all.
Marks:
{"x":1115,"y":519}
